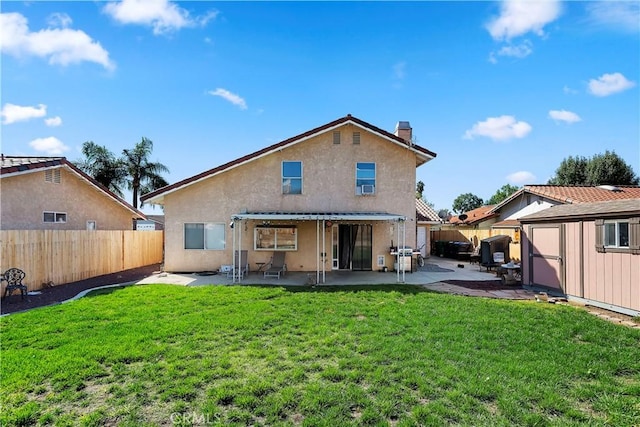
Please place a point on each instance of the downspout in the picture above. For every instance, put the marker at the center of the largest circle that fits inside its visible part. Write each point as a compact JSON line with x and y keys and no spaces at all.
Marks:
{"x":404,"y":244}
{"x":233,"y":251}
{"x":324,"y":250}
{"x":239,"y":250}
{"x":317,"y":250}
{"x":398,"y":251}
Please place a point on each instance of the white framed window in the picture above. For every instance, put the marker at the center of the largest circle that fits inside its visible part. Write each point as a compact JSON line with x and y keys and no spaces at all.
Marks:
{"x":208,"y":235}
{"x":91,"y":225}
{"x":291,"y":177}
{"x":365,"y":178}
{"x":281,"y":238}
{"x":57,"y":217}
{"x":616,"y":234}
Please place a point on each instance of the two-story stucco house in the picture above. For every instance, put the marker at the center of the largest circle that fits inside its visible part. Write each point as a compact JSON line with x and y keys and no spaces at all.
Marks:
{"x":50,"y":193}
{"x":337,"y":197}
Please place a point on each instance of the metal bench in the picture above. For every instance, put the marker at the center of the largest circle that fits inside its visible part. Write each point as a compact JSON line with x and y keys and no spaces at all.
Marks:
{"x":14,"y":277}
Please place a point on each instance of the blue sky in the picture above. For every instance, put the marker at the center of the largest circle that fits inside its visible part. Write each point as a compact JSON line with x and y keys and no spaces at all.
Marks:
{"x":501,"y":91}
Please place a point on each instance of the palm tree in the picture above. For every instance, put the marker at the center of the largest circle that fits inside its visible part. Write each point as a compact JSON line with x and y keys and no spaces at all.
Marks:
{"x":142,"y":175}
{"x":103,"y":166}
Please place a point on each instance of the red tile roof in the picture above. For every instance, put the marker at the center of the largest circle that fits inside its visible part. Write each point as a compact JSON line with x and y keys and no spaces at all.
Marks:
{"x":423,"y":152}
{"x":576,"y":193}
{"x":474,"y":216}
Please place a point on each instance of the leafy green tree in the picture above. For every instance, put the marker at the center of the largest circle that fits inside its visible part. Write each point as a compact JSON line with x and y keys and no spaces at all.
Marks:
{"x":609,"y":168}
{"x":466,"y":202}
{"x":133,"y":170}
{"x":504,"y":192}
{"x":419,"y":189}
{"x":143,"y":175}
{"x":601,"y":169}
{"x":103,"y":166}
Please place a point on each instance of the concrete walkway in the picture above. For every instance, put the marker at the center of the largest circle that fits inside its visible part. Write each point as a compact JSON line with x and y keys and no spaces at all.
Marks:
{"x":431,"y":276}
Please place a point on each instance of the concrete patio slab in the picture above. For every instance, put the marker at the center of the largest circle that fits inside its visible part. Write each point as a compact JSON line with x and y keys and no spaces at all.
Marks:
{"x":431,"y":276}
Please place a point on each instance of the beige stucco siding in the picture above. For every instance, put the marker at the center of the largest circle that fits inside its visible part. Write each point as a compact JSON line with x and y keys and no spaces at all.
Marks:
{"x":329,"y":174}
{"x":24,"y":198}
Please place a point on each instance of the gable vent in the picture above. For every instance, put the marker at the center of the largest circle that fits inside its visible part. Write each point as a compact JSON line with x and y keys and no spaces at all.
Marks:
{"x":336,"y":137}
{"x":52,"y":175}
{"x":356,"y":138}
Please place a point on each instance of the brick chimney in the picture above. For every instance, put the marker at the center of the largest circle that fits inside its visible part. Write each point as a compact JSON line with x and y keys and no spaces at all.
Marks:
{"x":403,"y":130}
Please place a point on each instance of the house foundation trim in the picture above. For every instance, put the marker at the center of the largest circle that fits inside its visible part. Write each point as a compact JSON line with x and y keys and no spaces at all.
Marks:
{"x":321,"y":219}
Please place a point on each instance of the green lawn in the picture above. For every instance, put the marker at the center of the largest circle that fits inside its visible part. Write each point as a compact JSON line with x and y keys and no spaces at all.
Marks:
{"x":396,"y":355}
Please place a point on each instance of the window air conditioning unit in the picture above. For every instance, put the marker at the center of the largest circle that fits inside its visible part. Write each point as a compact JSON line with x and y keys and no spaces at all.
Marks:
{"x":368,"y":189}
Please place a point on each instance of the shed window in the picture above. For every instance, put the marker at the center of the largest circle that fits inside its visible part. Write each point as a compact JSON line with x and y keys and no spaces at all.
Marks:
{"x":619,"y":235}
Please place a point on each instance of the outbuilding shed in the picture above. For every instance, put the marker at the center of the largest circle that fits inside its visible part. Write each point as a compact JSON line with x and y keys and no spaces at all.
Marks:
{"x":588,"y":251}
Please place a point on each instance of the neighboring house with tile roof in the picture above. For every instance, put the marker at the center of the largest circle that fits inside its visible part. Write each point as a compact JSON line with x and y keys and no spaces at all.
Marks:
{"x":51,"y":193}
{"x":426,"y":216}
{"x":336,"y":197}
{"x":589,"y":251}
{"x":534,"y":198}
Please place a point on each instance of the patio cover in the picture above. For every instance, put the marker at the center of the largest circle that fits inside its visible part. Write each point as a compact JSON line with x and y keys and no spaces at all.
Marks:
{"x":320,"y":218}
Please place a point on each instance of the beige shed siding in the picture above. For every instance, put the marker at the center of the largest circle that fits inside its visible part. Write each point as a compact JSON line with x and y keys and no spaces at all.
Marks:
{"x":329,"y":172}
{"x":25,"y":197}
{"x":610,"y":278}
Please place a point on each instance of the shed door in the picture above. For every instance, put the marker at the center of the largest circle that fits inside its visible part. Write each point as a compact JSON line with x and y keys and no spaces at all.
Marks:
{"x":545,"y":256}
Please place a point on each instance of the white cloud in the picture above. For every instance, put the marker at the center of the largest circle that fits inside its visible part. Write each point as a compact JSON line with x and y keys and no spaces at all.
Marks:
{"x":50,"y":145}
{"x":53,"y":121}
{"x":521,"y":177}
{"x":564,"y":116}
{"x":162,"y":15}
{"x":12,"y":113}
{"x":61,"y":20}
{"x":231,"y":97}
{"x":608,"y":84}
{"x":61,"y":46}
{"x":499,"y":128}
{"x":521,"y":50}
{"x":569,"y":91}
{"x":518,"y":17}
{"x":615,"y":15}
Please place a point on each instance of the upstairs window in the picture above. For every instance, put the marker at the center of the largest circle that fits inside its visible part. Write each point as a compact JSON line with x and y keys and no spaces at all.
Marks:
{"x":365,"y":179}
{"x":356,"y":138}
{"x":336,"y":137}
{"x":291,"y":177}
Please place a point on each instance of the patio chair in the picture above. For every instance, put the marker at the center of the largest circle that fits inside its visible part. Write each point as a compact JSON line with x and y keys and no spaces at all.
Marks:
{"x":241,"y":266}
{"x":13,"y":277}
{"x":277,"y":266}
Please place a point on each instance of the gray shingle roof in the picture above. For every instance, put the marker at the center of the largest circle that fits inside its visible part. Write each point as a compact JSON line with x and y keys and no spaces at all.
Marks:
{"x":612,"y":208}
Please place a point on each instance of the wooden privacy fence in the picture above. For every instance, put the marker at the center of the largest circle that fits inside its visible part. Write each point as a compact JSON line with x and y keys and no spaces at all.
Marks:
{"x":476,"y":235}
{"x":64,"y":256}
